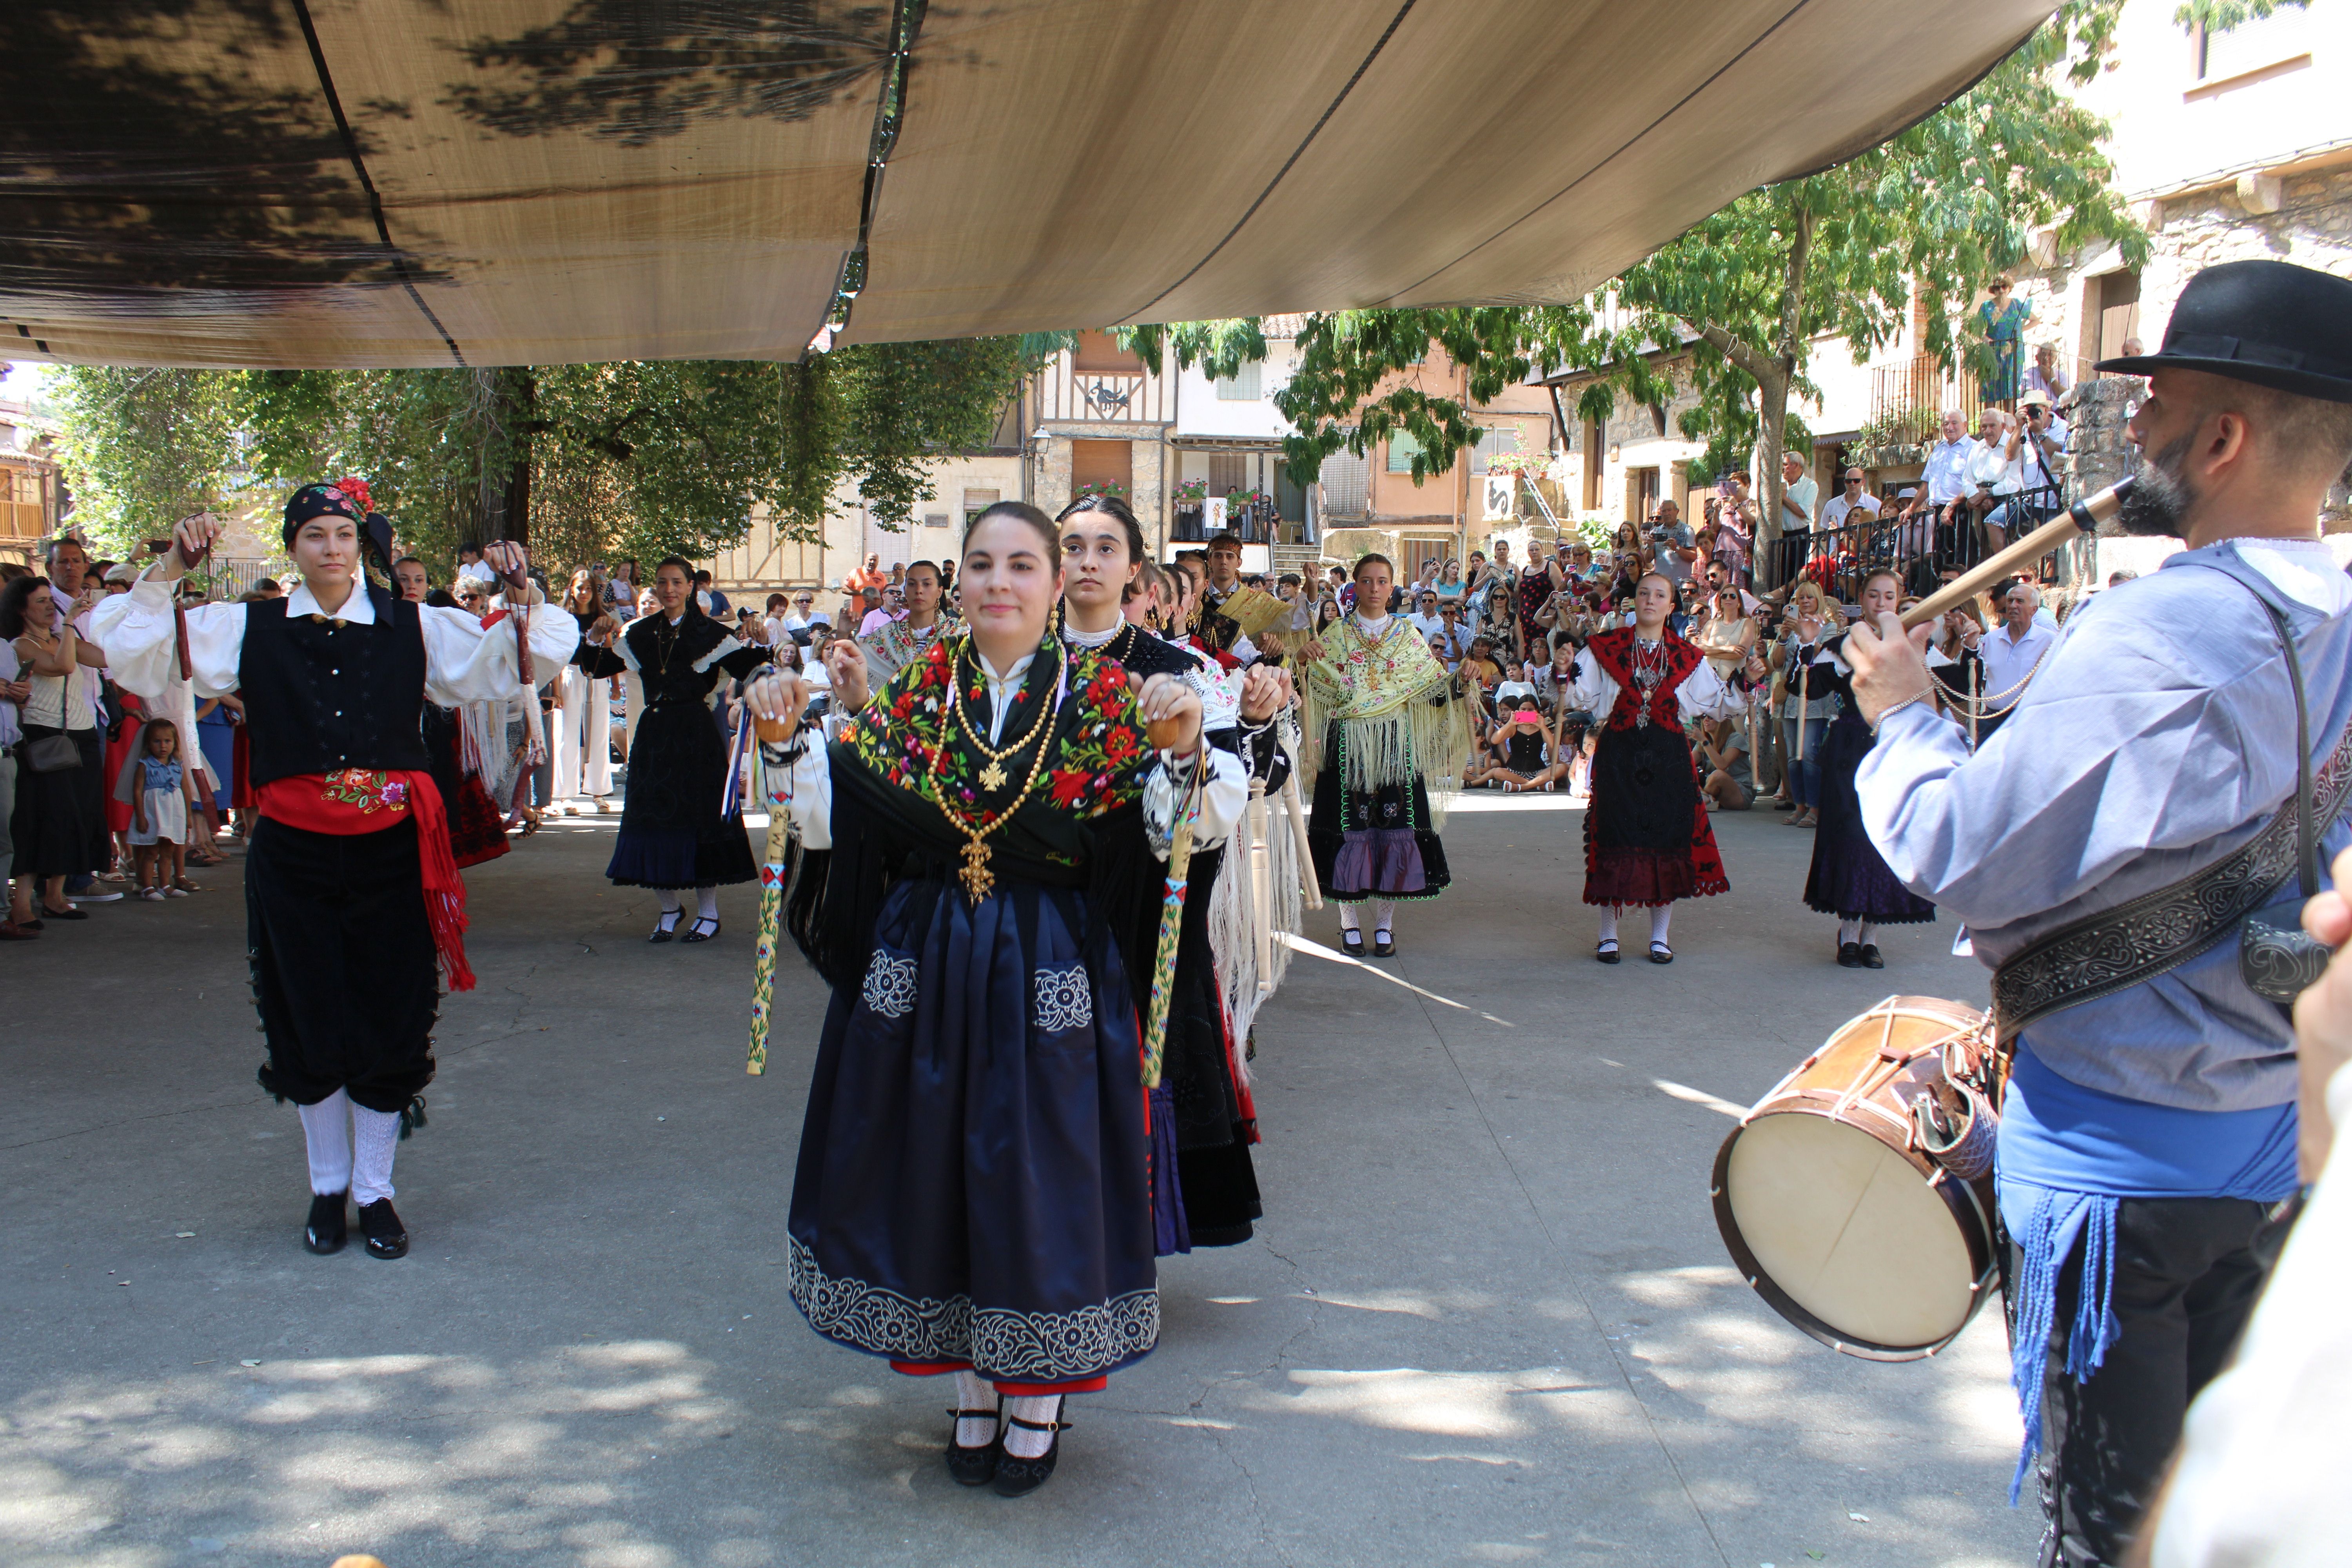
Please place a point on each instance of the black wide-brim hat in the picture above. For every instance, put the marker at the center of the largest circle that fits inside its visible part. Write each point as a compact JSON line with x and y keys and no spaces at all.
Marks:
{"x":2269,"y":322}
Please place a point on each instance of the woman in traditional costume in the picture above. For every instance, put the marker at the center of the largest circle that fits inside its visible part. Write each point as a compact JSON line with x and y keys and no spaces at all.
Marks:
{"x":1647,"y":841}
{"x":352,"y":899}
{"x":975,"y":1189}
{"x":1849,"y":878}
{"x":1385,"y":727}
{"x":1201,"y":1110}
{"x":582,"y":722}
{"x":674,"y":835}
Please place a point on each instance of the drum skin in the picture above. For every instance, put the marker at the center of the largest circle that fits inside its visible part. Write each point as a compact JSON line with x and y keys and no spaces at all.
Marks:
{"x":1832,"y":1210}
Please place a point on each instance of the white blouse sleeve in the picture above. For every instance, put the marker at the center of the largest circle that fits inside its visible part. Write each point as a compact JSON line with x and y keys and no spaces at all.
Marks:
{"x":1706,"y":695}
{"x":1224,"y":794}
{"x":803,"y":786}
{"x":465,"y":662}
{"x":136,"y":631}
{"x":1591,"y":690}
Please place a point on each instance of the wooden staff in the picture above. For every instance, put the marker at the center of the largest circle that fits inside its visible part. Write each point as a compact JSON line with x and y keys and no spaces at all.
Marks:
{"x":1172,"y":931}
{"x":2084,"y":517}
{"x":776,"y":787}
{"x":1261,"y":873}
{"x":1309,"y":885}
{"x":179,"y":611}
{"x":1976,"y":673}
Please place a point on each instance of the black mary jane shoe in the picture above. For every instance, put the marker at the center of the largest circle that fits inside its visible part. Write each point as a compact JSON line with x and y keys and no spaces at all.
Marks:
{"x":696,"y":933}
{"x":1352,"y":942}
{"x":323,"y":1233}
{"x":386,"y":1237}
{"x":1849,"y":955}
{"x":1384,"y":946}
{"x":1660,"y":954}
{"x":1871,"y":957}
{"x":974,"y":1466}
{"x":1017,"y":1477}
{"x":1606,"y":952}
{"x":666,"y":929}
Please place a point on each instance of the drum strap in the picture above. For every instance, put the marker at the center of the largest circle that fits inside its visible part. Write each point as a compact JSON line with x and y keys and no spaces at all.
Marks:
{"x":2101,"y":955}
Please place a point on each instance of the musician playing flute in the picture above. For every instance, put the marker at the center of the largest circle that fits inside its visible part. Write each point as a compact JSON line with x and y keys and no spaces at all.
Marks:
{"x":2104,"y":846}
{"x":975,"y":1185}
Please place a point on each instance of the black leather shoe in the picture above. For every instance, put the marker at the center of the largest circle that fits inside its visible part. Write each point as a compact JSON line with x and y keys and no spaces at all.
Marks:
{"x":1352,"y":942}
{"x":974,"y":1466}
{"x":1017,"y":1477}
{"x":666,"y":929}
{"x":386,"y":1237}
{"x":696,"y":933}
{"x":324,"y":1234}
{"x":1871,"y":958}
{"x":1849,"y":955}
{"x":1384,"y":946}
{"x":1660,"y":954}
{"x":1606,"y":952}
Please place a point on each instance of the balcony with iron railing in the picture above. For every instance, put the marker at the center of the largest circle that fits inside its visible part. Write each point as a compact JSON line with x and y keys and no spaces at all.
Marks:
{"x":1909,"y":397}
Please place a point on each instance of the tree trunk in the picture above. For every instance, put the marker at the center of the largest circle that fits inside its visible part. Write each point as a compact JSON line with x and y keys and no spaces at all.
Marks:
{"x":1772,"y":395}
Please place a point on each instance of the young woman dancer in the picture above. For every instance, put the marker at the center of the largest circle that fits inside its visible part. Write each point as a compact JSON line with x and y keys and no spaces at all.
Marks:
{"x":351,"y":897}
{"x":1647,"y":842}
{"x":1849,"y":878}
{"x":1392,"y":725}
{"x":975,"y":1184}
{"x":673,"y":836}
{"x":1210,"y":1117}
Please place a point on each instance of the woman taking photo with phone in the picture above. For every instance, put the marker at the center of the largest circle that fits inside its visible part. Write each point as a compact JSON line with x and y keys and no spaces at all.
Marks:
{"x":975,"y":1185}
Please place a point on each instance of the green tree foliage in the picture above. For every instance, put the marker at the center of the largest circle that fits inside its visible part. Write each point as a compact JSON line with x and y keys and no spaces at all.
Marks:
{"x":586,"y":462}
{"x":143,"y":449}
{"x":1941,"y":208}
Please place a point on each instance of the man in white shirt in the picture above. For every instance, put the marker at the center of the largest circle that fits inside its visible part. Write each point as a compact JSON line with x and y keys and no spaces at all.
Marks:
{"x":1800,"y":500}
{"x":1853,"y":505}
{"x":2043,"y":445}
{"x":1425,"y":619}
{"x":1946,"y":477}
{"x":2011,"y":652}
{"x":1995,"y":477}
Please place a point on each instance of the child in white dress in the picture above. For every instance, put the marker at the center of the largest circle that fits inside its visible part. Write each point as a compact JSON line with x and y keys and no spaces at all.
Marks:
{"x":157,"y":783}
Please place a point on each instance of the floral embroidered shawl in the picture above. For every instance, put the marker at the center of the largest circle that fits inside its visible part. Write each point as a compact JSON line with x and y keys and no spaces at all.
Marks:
{"x":1394,"y":703}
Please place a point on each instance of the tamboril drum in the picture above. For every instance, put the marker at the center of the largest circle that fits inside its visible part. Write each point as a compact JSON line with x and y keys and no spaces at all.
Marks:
{"x":1856,"y":1198}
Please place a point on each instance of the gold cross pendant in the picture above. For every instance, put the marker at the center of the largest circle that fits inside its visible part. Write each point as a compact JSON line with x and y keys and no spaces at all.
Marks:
{"x":976,"y":878}
{"x":992,"y":777}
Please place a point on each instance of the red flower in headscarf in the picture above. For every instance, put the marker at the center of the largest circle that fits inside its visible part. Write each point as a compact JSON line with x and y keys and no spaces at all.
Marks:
{"x":357,"y":489}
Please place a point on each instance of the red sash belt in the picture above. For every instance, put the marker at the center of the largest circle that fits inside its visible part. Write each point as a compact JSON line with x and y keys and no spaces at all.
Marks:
{"x":361,"y":800}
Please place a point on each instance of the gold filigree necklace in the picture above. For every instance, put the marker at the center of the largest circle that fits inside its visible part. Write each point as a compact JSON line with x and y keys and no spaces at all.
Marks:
{"x":977,"y":878}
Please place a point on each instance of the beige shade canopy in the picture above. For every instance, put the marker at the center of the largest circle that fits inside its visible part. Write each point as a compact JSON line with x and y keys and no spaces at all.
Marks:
{"x":288,"y":182}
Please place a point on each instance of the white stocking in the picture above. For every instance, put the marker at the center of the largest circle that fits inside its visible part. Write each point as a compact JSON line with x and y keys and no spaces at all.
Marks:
{"x":1019,"y":1441}
{"x":374,"y":1135}
{"x":1866,"y":933}
{"x":327,"y":1134}
{"x":669,"y":908}
{"x":1660,"y":919}
{"x":974,"y":1392}
{"x":706,"y":903}
{"x":1608,"y":923}
{"x":1384,"y":918}
{"x":1350,"y":916}
{"x":1845,"y":931}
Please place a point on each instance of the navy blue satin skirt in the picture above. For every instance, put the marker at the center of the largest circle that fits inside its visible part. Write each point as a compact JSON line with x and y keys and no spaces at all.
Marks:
{"x":974,"y":1180}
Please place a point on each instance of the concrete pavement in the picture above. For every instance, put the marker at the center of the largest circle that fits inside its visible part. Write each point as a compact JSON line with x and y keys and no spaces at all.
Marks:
{"x":1487,"y":1319}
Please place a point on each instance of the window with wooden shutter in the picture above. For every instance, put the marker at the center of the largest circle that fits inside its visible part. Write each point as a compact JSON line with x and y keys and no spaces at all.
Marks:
{"x":1345,"y":478}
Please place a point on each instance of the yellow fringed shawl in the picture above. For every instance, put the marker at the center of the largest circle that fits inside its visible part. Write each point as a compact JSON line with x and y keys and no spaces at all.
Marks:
{"x":1395,"y":706}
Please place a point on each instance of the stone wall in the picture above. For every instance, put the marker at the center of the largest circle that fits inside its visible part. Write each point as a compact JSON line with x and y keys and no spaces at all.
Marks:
{"x":2097,"y":451}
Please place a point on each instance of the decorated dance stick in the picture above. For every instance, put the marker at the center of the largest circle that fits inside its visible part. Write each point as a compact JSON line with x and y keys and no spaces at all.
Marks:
{"x":1261,"y":873}
{"x":776,"y":785}
{"x":1171,"y":929}
{"x":2084,"y":517}
{"x":179,"y":611}
{"x":1309,"y":884}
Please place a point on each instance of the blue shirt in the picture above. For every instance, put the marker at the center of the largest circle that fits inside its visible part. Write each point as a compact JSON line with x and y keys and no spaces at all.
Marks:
{"x":2147,"y":748}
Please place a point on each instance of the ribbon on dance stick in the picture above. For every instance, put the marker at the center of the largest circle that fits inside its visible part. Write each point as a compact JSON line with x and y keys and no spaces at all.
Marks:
{"x":2084,"y":517}
{"x":1261,"y":875}
{"x":776,"y":787}
{"x":1171,"y":923}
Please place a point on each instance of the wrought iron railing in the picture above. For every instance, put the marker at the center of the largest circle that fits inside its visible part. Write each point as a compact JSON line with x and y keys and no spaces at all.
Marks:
{"x":1908,"y":399}
{"x":1920,"y":547}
